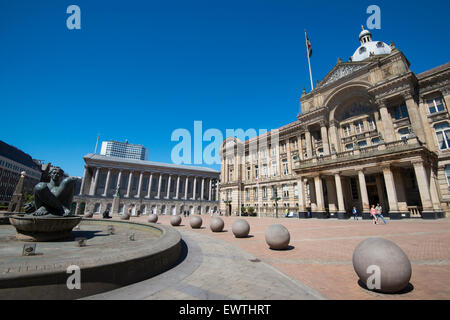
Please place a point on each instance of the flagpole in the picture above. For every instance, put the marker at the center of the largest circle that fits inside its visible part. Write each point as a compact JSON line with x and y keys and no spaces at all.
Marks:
{"x":309,"y":61}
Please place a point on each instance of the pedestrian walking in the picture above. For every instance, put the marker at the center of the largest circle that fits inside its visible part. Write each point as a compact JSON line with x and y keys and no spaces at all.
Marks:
{"x":379,"y":209}
{"x":355,"y":213}
{"x":373,"y":213}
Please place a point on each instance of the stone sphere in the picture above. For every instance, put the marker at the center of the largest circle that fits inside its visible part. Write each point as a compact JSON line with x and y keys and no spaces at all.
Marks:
{"x":195,"y":222}
{"x":175,"y":220}
{"x":153,"y":218}
{"x":394,"y":265}
{"x":216,"y":224}
{"x":124,"y":217}
{"x":88,"y":215}
{"x":277,"y":237}
{"x":240,"y":228}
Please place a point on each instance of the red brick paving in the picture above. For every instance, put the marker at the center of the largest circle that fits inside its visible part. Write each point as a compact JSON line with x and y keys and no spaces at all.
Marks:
{"x":322,"y":252}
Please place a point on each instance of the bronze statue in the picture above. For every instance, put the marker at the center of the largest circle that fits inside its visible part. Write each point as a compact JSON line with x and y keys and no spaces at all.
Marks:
{"x":53,"y":198}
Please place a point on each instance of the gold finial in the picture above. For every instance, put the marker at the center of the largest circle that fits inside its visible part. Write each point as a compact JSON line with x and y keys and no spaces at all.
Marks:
{"x":362,"y":27}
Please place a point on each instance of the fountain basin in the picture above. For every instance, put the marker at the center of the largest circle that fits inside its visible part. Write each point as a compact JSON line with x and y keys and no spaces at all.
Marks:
{"x":43,"y":229}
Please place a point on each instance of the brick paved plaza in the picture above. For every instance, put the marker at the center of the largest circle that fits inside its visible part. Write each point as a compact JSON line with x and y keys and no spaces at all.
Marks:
{"x":320,"y":259}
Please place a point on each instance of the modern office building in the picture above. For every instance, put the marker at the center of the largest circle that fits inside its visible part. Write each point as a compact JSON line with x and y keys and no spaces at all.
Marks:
{"x":12,"y":163}
{"x":145,"y":186}
{"x":124,"y":150}
{"x":372,"y":131}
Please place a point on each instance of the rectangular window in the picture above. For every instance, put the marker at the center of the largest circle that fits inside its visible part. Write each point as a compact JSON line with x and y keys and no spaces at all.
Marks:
{"x":435,"y":105}
{"x":285,"y":167}
{"x":346,"y":130}
{"x":362,"y":144}
{"x":264,"y":191}
{"x":447,"y":174}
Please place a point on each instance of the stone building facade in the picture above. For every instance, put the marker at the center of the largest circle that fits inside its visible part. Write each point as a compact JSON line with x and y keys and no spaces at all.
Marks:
{"x":145,"y":186}
{"x":372,"y":131}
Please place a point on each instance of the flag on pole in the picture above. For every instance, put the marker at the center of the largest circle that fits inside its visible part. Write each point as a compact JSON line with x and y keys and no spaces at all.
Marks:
{"x":309,"y":54}
{"x":309,"y":47}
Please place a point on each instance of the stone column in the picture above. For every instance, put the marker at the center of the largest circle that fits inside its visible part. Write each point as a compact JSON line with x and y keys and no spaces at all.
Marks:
{"x":312,"y":194}
{"x":158,"y":195}
{"x":150,"y":181}
{"x":324,"y":134}
{"x":177,"y":191}
{"x":119,"y":179}
{"x":289,"y":157}
{"x":105,"y":192}
{"x":202,"y":189}
{"x":389,"y":134}
{"x":186,"y":188}
{"x":363,"y":191}
{"x":434,"y":192}
{"x":391,"y":192}
{"x":141,"y":176}
{"x":414,"y":116}
{"x":194,"y":190}
{"x":300,"y":147}
{"x":169,"y":180}
{"x":340,"y":195}
{"x":130,"y":180}
{"x":308,"y":144}
{"x":85,"y":174}
{"x":424,"y":187}
{"x":301,"y":196}
{"x":210,"y":190}
{"x":319,"y":196}
{"x":217,"y":191}
{"x":95,"y":183}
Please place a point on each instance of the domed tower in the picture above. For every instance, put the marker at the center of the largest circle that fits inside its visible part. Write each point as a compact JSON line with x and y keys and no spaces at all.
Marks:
{"x":369,"y":48}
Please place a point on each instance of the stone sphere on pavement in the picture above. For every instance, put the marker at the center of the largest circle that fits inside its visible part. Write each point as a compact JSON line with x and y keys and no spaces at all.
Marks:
{"x":277,"y":237}
{"x":124,"y":217}
{"x":88,"y":215}
{"x":380,"y":256}
{"x":153,"y":218}
{"x":175,"y":220}
{"x":240,"y":228}
{"x":216,"y":224}
{"x":195,"y":222}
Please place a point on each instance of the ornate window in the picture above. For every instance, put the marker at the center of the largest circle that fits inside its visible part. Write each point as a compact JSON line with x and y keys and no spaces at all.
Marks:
{"x":285,"y":167}
{"x":349,"y":146}
{"x":346,"y":129}
{"x":285,"y":191}
{"x":362,"y":144}
{"x":403,"y":133}
{"x":264,"y":192}
{"x":400,"y":112}
{"x":447,"y":174}
{"x":256,"y":172}
{"x":265,"y":171}
{"x":372,"y":124}
{"x":442,"y":131}
{"x":359,"y":127}
{"x":435,"y":105}
{"x":375,"y":141}
{"x":274,"y":168}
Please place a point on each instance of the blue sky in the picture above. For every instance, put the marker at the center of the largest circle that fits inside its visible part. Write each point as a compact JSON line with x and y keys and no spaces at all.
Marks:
{"x":138,"y":70}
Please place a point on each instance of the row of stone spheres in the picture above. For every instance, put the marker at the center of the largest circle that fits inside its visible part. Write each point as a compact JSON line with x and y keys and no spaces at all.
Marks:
{"x":380,"y":264}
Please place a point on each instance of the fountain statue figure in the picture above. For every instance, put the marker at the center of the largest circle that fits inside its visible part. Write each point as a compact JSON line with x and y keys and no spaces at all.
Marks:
{"x":53,"y":198}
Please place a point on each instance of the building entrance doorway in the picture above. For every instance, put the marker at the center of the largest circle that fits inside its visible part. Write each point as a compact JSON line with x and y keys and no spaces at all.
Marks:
{"x":372,"y":193}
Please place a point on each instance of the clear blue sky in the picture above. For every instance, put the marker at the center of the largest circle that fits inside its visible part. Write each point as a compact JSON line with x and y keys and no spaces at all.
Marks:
{"x":138,"y":70}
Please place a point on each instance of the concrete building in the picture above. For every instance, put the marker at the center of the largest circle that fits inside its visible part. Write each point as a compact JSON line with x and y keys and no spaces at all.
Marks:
{"x":145,"y":186}
{"x":371,"y":132}
{"x":124,"y":150}
{"x":12,"y":162}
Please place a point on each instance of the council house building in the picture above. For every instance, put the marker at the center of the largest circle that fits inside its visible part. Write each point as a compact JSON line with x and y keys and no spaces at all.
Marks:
{"x":372,"y":131}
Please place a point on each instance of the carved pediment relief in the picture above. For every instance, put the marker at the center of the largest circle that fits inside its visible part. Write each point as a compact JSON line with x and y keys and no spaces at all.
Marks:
{"x":340,"y":71}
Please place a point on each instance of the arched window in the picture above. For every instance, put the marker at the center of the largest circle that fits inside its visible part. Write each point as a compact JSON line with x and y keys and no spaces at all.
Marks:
{"x":442,"y":131}
{"x":403,"y":133}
